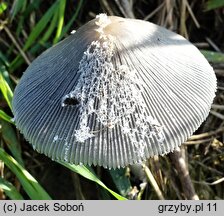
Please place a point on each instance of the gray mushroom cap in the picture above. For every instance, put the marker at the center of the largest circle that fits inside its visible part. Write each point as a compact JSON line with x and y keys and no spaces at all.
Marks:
{"x":115,"y":92}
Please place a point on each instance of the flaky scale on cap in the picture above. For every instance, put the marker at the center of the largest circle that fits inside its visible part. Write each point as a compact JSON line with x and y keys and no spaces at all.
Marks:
{"x":115,"y":92}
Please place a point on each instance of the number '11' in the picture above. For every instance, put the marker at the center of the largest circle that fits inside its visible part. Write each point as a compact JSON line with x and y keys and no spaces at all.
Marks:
{"x":211,"y":207}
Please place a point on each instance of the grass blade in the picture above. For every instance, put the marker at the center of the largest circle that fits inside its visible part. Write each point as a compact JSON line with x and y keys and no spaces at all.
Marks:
{"x":10,"y":138}
{"x":68,"y":26}
{"x":121,"y":181}
{"x":40,"y":26}
{"x":6,"y":76}
{"x":29,"y":183}
{"x":17,"y":6}
{"x":5,"y":89}
{"x":3,"y":7}
{"x":5,"y":116}
{"x":85,"y":172}
{"x":37,"y":30}
{"x":10,"y":190}
{"x":213,"y":57}
{"x":61,"y":11}
{"x":3,"y":59}
{"x":214,"y":4}
{"x":50,"y":30}
{"x":28,"y":10}
{"x":18,"y":61}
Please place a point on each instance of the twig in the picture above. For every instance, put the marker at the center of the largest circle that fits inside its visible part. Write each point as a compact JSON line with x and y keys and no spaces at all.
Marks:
{"x":125,"y":6}
{"x":216,"y":114}
{"x":214,"y":46}
{"x":155,"y":11}
{"x":213,"y":183}
{"x":161,"y":16}
{"x":17,"y":45}
{"x":1,"y":169}
{"x":221,"y":88}
{"x":153,"y":182}
{"x":207,"y":134}
{"x":8,"y":45}
{"x":155,"y":164}
{"x":2,"y":195}
{"x":209,"y":168}
{"x":183,"y":29}
{"x":198,"y":141}
{"x":169,"y":20}
{"x":182,"y":170}
{"x":201,"y":45}
{"x":142,"y":189}
{"x":107,"y":7}
{"x":172,"y":179}
{"x":219,"y":72}
{"x":218,"y":106}
{"x":192,"y":14}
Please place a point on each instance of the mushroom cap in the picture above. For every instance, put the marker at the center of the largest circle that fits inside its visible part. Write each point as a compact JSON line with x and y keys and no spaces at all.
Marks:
{"x":115,"y":92}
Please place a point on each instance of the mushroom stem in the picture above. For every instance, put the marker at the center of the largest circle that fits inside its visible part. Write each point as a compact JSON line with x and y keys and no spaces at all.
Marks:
{"x":183,"y":173}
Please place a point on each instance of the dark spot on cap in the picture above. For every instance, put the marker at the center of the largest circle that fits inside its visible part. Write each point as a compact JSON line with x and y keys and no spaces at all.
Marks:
{"x":70,"y":101}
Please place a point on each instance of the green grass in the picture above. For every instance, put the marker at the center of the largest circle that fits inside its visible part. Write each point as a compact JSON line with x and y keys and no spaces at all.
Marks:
{"x":5,"y":89}
{"x":213,"y":57}
{"x":10,"y":190}
{"x":5,"y":116}
{"x":87,"y":173}
{"x":33,"y":189}
{"x":27,"y":28}
{"x":3,"y":7}
{"x":214,"y":4}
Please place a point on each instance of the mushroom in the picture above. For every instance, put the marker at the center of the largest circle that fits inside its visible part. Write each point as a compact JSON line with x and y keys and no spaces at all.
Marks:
{"x":115,"y":92}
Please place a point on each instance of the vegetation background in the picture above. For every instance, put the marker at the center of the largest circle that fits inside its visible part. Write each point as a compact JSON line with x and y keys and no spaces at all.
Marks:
{"x":28,"y":27}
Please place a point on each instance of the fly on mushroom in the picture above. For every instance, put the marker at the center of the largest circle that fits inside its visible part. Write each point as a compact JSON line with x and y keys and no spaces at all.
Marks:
{"x":114,"y":93}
